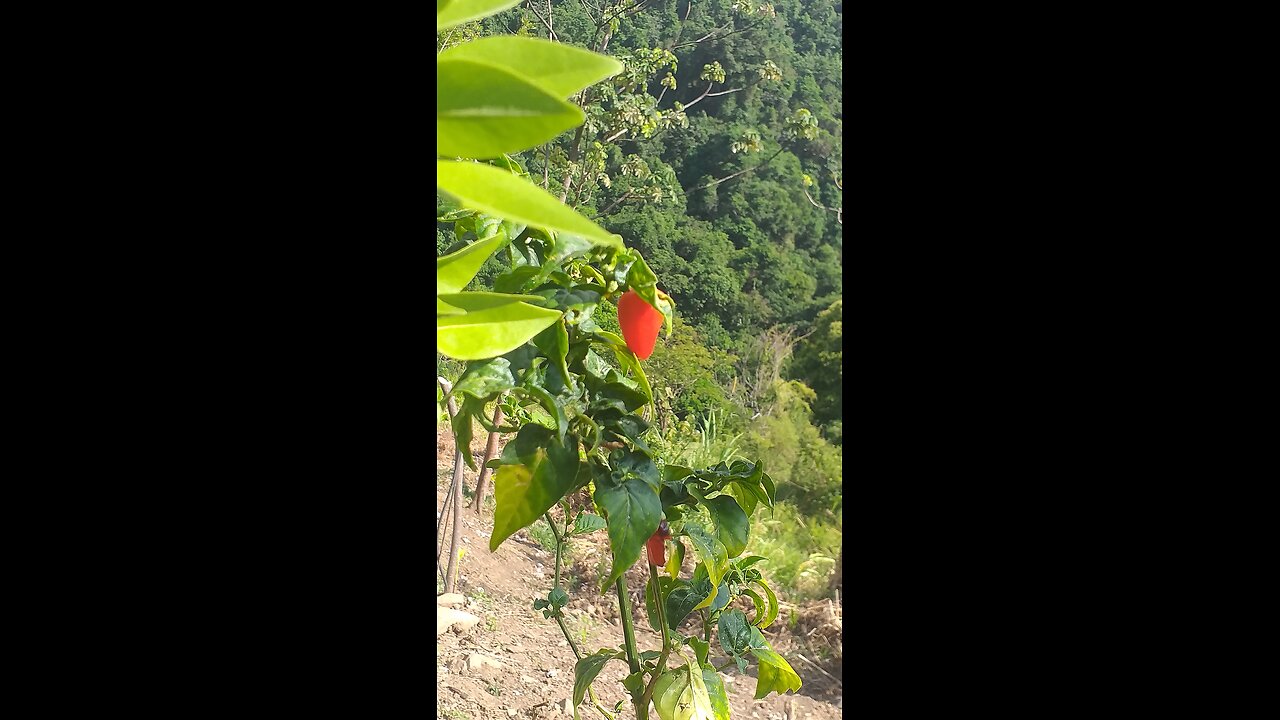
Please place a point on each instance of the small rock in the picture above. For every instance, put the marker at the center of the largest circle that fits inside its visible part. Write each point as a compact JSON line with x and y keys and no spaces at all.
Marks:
{"x":475,"y":661}
{"x":727,"y":678}
{"x":460,"y":620}
{"x":511,"y":712}
{"x":450,"y":600}
{"x":526,"y":678}
{"x":552,"y":673}
{"x":568,"y":707}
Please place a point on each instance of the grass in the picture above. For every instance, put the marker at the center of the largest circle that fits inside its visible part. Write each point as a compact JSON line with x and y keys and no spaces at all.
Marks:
{"x":801,"y":550}
{"x":541,"y":533}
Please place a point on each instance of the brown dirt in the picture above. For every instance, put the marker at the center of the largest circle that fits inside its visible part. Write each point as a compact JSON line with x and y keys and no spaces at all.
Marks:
{"x":500,"y":588}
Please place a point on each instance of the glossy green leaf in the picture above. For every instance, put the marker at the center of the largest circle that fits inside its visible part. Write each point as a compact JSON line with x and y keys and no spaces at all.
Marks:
{"x":732,"y":526}
{"x":628,"y":495}
{"x":700,"y":649}
{"x":734,"y":632}
{"x":761,"y":611}
{"x":774,"y":673}
{"x":682,"y":600}
{"x":587,"y":523}
{"x":628,"y":361}
{"x":456,"y":12}
{"x":560,"y":69}
{"x":491,"y":332}
{"x":485,"y":379}
{"x":494,"y":191}
{"x":554,"y":343}
{"x":586,"y":670}
{"x":675,"y":559}
{"x":483,"y":111}
{"x":711,"y":553}
{"x":716,"y":693}
{"x":464,"y":423}
{"x":455,"y":270}
{"x":473,"y":301}
{"x":684,"y":695}
{"x":444,"y":308}
{"x":773,"y":605}
{"x":538,"y":469}
{"x":550,"y":404}
{"x":665,"y":585}
{"x":515,"y":279}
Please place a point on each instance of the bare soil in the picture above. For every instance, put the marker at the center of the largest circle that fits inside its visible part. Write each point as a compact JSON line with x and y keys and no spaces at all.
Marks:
{"x":534,"y":678}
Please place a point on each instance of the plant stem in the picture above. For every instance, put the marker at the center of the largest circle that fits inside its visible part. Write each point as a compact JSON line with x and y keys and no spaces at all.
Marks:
{"x":629,"y":635}
{"x":666,"y":638}
{"x":559,"y":543}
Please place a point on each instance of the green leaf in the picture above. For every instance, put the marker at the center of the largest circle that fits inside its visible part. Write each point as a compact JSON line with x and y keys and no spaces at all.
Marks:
{"x":444,"y":308}
{"x":676,"y":559}
{"x":455,"y":270}
{"x":488,"y":333}
{"x":712,"y":554}
{"x":515,"y":279}
{"x":628,"y":495}
{"x":773,"y":605}
{"x":483,"y":111}
{"x":715,"y":692}
{"x":544,"y":398}
{"x":684,"y":695}
{"x":560,"y":69}
{"x":463,"y":426}
{"x":485,"y":379}
{"x":684,"y":597}
{"x":456,"y":12}
{"x":587,"y":523}
{"x":628,"y":361}
{"x":700,"y":649}
{"x":490,"y":190}
{"x":774,"y":673}
{"x":479,"y":300}
{"x":734,"y":632}
{"x":732,"y":526}
{"x":758,"y":601}
{"x":537,"y":471}
{"x":586,"y":670}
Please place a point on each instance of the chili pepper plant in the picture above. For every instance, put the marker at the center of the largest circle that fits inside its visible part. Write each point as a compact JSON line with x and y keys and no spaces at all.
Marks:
{"x":576,"y":396}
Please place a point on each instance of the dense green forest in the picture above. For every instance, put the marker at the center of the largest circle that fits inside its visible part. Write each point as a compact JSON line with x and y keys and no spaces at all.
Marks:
{"x":717,"y":154}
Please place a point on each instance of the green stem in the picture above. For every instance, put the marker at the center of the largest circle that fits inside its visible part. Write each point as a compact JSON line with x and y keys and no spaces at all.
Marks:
{"x":629,"y":636}
{"x":559,"y":543}
{"x":706,"y":628}
{"x":666,"y":638}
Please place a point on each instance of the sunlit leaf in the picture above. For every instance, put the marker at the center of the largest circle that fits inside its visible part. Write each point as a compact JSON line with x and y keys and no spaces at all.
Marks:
{"x":491,"y":332}
{"x":483,"y":111}
{"x":455,"y":270}
{"x":494,"y":191}
{"x":560,"y":69}
{"x":456,"y":12}
{"x":538,"y":470}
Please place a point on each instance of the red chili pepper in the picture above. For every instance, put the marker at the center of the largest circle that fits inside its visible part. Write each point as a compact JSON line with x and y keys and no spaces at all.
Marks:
{"x":657,"y":545}
{"x":640,"y":323}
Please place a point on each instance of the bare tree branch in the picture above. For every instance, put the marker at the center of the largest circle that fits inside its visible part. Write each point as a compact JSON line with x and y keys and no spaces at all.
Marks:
{"x":545,"y":24}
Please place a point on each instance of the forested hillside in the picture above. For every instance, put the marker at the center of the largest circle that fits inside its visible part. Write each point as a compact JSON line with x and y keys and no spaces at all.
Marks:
{"x":717,"y":154}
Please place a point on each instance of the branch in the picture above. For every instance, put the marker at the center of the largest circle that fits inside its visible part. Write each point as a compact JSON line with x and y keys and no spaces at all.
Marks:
{"x":838,"y":211}
{"x":695,"y":102}
{"x":626,"y":196}
{"x":726,"y":92}
{"x":740,"y":172}
{"x":545,"y":24}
